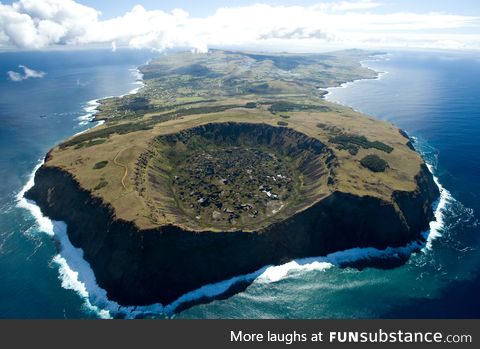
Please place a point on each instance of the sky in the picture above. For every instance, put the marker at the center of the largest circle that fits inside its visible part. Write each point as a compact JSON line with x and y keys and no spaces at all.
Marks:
{"x":111,"y":8}
{"x":287,"y":25}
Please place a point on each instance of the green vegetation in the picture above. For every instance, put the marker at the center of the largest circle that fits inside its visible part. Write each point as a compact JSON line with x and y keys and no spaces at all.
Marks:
{"x":282,"y":123}
{"x":262,"y":88}
{"x":374,"y":163}
{"x":137,"y":104}
{"x":286,"y":62}
{"x":192,"y":111}
{"x":100,"y":164}
{"x":195,"y":70}
{"x":176,"y":80}
{"x":353,"y":142}
{"x":89,"y":138}
{"x":285,"y":106}
{"x":102,"y":184}
{"x":90,"y":143}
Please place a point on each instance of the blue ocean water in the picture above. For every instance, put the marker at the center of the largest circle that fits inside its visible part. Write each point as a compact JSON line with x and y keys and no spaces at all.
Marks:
{"x":35,"y":114}
{"x":433,"y":96}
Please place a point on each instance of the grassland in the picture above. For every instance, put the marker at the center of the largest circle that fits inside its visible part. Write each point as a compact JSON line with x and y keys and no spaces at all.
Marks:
{"x":184,"y":91}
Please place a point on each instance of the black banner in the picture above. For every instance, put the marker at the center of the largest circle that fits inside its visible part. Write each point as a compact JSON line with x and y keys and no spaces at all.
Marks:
{"x":239,"y":333}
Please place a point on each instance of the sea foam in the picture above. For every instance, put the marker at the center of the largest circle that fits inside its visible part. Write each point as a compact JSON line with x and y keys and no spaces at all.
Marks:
{"x":138,"y":80}
{"x":76,"y":274}
{"x":91,"y":110}
{"x":44,"y":223}
{"x":380,"y":76}
{"x":436,"y":226}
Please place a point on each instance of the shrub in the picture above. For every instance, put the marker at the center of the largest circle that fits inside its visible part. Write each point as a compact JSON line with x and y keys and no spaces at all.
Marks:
{"x":100,"y":165}
{"x":284,"y":106}
{"x":91,"y":143}
{"x":103,"y":183}
{"x":374,"y":163}
{"x":352,"y":142}
{"x":282,"y":123}
{"x":104,"y":133}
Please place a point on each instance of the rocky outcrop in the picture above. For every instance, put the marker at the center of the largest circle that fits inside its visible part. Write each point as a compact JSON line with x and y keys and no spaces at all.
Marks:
{"x":147,"y":266}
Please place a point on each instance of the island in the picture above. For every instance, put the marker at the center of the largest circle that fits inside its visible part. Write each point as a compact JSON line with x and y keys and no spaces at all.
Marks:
{"x":226,"y":162}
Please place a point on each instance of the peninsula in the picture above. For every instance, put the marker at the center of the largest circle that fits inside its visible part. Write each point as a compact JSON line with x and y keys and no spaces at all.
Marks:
{"x":225,"y":162}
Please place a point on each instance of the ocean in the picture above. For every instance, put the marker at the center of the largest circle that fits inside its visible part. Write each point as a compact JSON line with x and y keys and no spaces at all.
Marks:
{"x":433,"y":96}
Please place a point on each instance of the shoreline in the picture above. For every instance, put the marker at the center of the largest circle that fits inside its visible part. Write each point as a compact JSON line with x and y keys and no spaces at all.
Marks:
{"x":76,"y":274}
{"x":91,"y":106}
{"x":445,"y":195}
{"x":380,"y":75}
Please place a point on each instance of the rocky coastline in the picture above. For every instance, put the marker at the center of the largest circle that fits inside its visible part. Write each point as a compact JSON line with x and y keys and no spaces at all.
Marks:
{"x":138,"y":267}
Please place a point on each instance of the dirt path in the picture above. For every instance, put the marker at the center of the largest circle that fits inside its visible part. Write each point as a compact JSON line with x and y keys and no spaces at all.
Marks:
{"x":125,"y":174}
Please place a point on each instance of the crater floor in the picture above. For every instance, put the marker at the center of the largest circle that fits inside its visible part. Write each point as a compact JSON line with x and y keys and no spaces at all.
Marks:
{"x":230,"y":176}
{"x":231,"y":185}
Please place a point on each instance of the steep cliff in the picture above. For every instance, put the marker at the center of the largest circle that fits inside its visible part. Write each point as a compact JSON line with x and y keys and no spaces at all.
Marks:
{"x":158,"y":265}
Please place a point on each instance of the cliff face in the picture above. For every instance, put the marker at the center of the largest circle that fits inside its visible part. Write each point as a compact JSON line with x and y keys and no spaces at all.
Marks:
{"x":148,"y":266}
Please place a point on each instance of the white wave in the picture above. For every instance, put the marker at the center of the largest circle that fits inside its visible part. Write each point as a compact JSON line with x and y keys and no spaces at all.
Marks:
{"x":278,"y":272}
{"x":70,"y":281}
{"x":135,"y":90}
{"x":76,"y":274}
{"x":380,"y":75}
{"x":275,"y":273}
{"x":138,"y":81}
{"x":437,"y":225}
{"x":90,"y":110}
{"x":44,"y":223}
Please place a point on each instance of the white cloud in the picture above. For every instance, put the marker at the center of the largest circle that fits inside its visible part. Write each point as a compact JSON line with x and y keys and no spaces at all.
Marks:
{"x":36,"y":24}
{"x":27,"y":73}
{"x":348,"y":5}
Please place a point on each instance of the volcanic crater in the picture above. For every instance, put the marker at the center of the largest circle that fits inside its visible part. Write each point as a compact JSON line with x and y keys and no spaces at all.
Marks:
{"x":232,"y":176}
